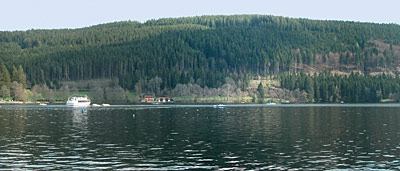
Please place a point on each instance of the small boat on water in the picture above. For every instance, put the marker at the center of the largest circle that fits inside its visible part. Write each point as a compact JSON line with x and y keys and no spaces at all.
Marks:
{"x":220,"y":106}
{"x":78,"y":100}
{"x":96,"y":105}
{"x":106,"y":105}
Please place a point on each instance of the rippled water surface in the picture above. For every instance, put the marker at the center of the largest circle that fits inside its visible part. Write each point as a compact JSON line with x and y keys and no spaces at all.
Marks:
{"x":200,"y":137}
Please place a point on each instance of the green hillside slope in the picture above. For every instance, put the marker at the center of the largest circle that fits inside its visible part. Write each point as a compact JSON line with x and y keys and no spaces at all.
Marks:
{"x":203,"y":49}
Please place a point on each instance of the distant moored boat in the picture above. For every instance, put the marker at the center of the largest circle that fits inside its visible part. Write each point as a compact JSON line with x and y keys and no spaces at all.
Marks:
{"x":78,"y":100}
{"x":220,"y":106}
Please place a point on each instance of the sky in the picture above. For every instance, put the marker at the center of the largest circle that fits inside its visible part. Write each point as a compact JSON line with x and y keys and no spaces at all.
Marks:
{"x":57,"y":14}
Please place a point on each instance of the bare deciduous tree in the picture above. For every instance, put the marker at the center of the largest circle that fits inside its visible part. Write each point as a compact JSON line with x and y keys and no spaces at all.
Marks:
{"x":17,"y":91}
{"x":115,"y":94}
{"x":97,"y":94}
{"x":5,"y":91}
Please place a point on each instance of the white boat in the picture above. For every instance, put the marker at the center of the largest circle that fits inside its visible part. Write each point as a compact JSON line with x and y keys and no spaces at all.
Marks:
{"x":78,"y":100}
{"x":220,"y":106}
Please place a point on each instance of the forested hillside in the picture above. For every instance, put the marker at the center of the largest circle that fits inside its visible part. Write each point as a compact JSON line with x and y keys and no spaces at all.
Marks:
{"x":202,"y":50}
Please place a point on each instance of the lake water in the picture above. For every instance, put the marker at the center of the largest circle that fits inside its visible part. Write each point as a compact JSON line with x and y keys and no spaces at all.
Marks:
{"x":176,"y":137}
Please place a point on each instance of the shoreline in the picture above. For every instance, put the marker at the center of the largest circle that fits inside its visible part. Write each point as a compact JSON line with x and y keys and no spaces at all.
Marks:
{"x":205,"y":103}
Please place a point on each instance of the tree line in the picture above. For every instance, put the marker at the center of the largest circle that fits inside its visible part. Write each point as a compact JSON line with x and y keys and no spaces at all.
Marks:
{"x":14,"y":84}
{"x":353,"y":88}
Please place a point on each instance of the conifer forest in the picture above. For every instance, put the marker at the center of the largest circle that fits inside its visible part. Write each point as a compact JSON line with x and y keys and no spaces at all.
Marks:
{"x":312,"y":61}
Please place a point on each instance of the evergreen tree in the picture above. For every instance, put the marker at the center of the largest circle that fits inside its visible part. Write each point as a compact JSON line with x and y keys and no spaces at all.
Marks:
{"x":309,"y":88}
{"x":260,"y":90}
{"x":14,"y":75}
{"x":4,"y":76}
{"x":21,"y":76}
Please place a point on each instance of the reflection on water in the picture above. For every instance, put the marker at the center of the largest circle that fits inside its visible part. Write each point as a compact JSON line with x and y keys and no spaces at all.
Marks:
{"x":200,"y":137}
{"x":80,"y":118}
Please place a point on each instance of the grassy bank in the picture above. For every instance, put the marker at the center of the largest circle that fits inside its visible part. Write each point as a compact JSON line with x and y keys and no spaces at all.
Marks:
{"x":224,"y":100}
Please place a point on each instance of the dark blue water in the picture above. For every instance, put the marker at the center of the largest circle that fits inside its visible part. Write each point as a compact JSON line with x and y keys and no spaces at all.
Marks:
{"x":249,"y":137}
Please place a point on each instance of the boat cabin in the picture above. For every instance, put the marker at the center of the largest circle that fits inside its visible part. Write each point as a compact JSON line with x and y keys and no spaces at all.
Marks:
{"x":164,"y":99}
